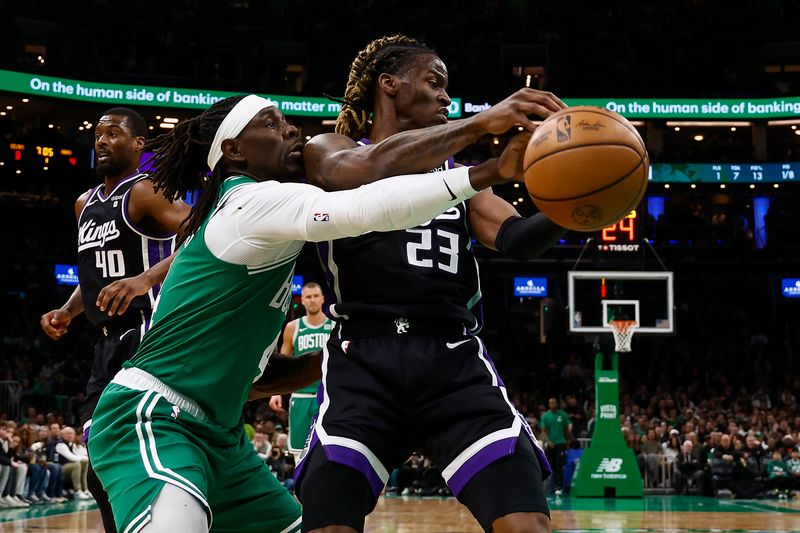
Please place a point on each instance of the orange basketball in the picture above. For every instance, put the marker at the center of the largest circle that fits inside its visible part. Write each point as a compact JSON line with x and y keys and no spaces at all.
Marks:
{"x":586,"y":168}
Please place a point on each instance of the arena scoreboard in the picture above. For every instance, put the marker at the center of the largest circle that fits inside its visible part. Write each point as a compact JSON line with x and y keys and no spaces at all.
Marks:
{"x":43,"y":153}
{"x":725,"y":172}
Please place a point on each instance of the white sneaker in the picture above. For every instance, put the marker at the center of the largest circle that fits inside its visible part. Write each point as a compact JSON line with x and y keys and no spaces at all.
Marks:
{"x":81,"y":495}
{"x":4,"y":504}
{"x":13,"y":502}
{"x":20,"y":502}
{"x":88,"y":495}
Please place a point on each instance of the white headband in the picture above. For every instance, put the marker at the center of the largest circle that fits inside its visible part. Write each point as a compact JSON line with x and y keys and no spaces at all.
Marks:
{"x":233,"y":124}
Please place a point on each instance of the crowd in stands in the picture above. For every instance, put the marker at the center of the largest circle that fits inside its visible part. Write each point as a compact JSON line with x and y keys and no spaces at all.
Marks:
{"x":42,"y":461}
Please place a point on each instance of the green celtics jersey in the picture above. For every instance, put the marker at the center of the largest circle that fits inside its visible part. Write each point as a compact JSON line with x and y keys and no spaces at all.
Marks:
{"x":308,"y":338}
{"x":216,"y":323}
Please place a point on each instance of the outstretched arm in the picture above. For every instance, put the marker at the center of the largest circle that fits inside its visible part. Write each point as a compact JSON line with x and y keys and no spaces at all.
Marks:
{"x":286,"y":373}
{"x":497,"y":225}
{"x":335,"y":162}
{"x":267,"y":213}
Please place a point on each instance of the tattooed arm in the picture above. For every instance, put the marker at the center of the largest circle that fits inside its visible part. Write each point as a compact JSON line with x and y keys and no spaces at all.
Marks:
{"x":336,"y":162}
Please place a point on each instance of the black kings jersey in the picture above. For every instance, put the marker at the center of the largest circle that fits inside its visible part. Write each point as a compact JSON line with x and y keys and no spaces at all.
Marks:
{"x":427,"y":272}
{"x":111,"y":247}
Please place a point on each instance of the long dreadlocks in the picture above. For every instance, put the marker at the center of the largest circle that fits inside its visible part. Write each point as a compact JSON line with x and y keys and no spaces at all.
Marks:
{"x":387,"y":54}
{"x":179,"y":161}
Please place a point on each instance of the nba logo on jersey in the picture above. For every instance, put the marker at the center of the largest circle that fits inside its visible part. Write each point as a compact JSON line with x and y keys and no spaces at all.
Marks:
{"x":321,"y":217}
{"x":175,"y":412}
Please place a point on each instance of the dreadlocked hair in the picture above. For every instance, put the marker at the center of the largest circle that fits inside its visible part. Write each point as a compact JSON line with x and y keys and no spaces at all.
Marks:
{"x":386,"y":54}
{"x":179,"y":162}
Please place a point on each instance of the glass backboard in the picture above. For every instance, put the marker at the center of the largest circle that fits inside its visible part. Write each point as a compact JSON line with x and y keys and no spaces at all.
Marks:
{"x":595,"y":298}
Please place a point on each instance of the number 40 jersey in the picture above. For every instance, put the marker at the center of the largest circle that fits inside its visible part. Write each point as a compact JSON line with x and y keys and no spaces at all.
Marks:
{"x":428,"y":272}
{"x":112,"y":247}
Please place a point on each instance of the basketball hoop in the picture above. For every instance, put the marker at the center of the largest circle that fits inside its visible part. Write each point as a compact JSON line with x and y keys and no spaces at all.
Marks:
{"x":623,"y":333}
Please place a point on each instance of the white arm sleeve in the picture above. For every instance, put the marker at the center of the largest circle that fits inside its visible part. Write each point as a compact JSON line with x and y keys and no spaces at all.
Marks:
{"x":264,"y":215}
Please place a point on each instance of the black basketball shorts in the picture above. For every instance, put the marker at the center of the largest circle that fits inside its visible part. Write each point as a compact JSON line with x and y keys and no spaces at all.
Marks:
{"x":382,"y":399}
{"x":117,"y":343}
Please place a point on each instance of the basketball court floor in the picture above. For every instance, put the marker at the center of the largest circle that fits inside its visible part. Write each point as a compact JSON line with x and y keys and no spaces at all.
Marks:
{"x":673,"y":514}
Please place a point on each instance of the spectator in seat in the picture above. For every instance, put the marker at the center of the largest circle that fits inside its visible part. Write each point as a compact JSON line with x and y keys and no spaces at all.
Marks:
{"x":8,"y":472}
{"x":74,"y":467}
{"x":688,"y":467}
{"x":672,"y":448}
{"x":722,"y":459}
{"x":793,"y":463}
{"x":779,"y":478}
{"x":650,"y":457}
{"x":19,"y":470}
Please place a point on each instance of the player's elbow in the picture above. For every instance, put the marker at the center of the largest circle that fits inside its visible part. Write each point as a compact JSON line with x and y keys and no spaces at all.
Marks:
{"x":388,"y":210}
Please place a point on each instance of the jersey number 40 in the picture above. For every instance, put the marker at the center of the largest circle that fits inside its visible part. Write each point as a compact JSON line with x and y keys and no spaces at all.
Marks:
{"x":111,"y":262}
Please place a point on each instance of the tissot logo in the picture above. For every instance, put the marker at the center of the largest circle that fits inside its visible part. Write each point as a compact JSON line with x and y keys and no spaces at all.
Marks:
{"x":564,"y":129}
{"x":90,"y":235}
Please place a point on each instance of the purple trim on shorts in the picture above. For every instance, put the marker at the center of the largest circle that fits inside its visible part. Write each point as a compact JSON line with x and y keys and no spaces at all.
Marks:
{"x":86,"y":434}
{"x":483,"y":458}
{"x":320,"y":399}
{"x":298,"y":471}
{"x":494,"y":368}
{"x":341,"y":455}
{"x":355,"y":459}
{"x":544,"y":464}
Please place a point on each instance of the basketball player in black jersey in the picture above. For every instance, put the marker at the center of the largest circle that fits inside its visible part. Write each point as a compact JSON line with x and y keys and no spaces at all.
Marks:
{"x":126,"y":236}
{"x":404,"y":360}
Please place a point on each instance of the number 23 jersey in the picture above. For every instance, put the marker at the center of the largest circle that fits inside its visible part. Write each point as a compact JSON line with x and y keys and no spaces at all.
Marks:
{"x":111,"y":247}
{"x":427,"y":272}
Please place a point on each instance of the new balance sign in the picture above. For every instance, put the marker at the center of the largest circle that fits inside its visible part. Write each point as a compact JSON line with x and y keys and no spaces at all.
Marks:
{"x":608,"y":468}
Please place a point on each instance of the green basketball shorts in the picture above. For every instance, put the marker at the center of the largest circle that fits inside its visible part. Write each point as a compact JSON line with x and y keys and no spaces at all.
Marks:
{"x":144,"y":434}
{"x":302,"y":410}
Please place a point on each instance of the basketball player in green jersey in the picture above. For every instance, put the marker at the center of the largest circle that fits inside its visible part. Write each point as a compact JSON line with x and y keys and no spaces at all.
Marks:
{"x":304,"y":335}
{"x":167,"y":438}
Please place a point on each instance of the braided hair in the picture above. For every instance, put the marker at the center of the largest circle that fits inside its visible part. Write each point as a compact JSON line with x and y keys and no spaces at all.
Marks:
{"x":179,"y":161}
{"x":384,"y":55}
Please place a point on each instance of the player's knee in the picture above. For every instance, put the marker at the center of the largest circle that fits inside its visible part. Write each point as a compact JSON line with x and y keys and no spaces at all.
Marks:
{"x":176,"y":510}
{"x":522,"y":523}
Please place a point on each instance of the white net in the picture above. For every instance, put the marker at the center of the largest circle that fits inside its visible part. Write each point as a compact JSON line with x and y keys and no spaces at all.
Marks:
{"x":623,"y":333}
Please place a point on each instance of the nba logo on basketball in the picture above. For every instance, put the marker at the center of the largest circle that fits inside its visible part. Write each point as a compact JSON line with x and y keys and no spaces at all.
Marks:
{"x":564,"y":129}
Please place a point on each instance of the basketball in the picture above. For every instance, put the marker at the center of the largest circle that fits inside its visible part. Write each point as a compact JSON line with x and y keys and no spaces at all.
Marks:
{"x":586,"y":168}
